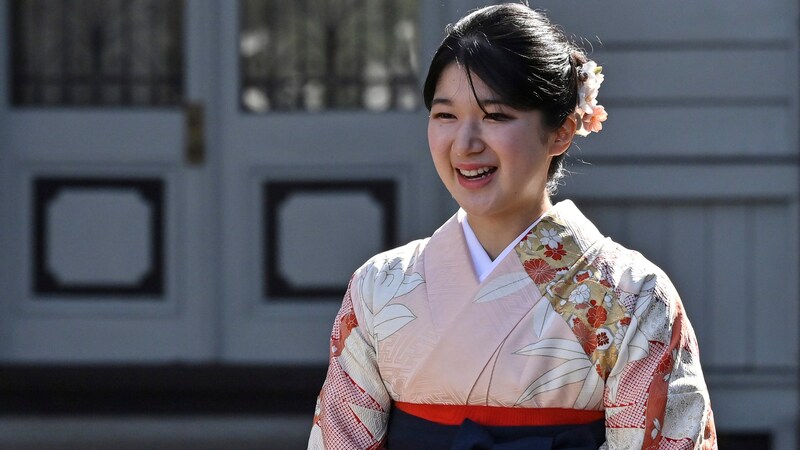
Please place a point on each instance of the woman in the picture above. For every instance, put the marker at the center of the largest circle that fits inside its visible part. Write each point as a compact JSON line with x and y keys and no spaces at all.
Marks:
{"x":516,"y":324}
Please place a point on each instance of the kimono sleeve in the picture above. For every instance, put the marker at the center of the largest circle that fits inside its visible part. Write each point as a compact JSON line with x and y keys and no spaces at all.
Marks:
{"x":656,"y":396}
{"x":353,"y":406}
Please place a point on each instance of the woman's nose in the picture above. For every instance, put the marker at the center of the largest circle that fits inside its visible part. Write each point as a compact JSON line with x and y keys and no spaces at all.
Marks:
{"x":468,"y":139}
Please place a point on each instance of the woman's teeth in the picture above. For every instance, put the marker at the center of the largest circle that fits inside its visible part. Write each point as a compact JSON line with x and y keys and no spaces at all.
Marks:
{"x":477,"y":173}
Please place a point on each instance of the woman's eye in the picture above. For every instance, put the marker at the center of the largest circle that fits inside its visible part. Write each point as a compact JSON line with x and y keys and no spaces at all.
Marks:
{"x":498,"y":117}
{"x":443,"y":115}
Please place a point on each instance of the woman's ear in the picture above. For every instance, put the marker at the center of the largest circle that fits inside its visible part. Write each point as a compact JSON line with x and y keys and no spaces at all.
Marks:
{"x":563,"y":136}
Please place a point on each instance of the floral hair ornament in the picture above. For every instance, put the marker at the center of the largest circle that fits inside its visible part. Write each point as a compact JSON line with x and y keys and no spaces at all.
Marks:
{"x":591,"y":115}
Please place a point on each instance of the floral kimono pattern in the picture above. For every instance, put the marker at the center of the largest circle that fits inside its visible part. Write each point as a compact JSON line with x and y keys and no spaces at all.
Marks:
{"x":571,"y":320}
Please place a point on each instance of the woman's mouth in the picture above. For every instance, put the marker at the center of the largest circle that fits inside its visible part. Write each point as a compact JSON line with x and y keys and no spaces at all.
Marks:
{"x":477,"y":174}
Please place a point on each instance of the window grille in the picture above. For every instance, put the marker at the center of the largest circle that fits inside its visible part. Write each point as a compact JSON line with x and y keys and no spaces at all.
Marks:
{"x":313,"y":55}
{"x":96,"y":52}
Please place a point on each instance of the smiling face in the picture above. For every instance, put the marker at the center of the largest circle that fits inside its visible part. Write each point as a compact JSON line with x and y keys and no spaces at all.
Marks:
{"x":493,"y":162}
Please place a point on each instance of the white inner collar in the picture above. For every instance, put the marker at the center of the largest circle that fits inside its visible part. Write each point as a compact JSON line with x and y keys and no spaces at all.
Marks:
{"x":481,"y":262}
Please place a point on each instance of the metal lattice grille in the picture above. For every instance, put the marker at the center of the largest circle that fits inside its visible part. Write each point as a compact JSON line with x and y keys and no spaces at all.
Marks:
{"x":329,"y":54}
{"x":96,"y":52}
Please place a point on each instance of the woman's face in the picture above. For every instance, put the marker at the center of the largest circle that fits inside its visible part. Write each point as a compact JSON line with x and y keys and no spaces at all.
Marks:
{"x":494,"y":163}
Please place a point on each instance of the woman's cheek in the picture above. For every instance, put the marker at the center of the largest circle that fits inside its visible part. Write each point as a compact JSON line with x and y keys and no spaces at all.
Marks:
{"x":437,"y":143}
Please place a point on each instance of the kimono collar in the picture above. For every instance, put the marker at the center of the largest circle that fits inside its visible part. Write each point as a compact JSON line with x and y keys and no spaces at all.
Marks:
{"x":561,"y":238}
{"x":484,"y":265}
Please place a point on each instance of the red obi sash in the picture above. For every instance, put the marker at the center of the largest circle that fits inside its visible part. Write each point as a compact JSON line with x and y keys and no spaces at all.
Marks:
{"x":499,"y":416}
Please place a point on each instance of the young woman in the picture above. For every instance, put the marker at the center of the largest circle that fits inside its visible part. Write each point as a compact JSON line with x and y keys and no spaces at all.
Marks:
{"x":516,"y":324}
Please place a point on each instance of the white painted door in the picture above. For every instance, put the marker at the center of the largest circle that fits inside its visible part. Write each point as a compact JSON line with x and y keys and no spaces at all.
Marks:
{"x":117,"y":248}
{"x":310,"y":192}
{"x":107,"y":231}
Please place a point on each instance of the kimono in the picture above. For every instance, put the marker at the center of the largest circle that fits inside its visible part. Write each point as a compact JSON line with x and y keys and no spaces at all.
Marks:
{"x":570,"y":326}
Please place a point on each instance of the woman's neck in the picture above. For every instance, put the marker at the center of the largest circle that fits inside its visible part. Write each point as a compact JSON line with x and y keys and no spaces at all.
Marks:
{"x":495,"y":233}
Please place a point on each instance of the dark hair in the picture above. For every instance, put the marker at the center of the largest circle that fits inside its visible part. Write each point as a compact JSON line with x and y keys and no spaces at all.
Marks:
{"x":526,"y":60}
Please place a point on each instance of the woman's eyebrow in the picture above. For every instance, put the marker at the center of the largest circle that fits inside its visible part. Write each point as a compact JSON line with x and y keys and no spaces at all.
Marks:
{"x":493,"y":101}
{"x":486,"y":101}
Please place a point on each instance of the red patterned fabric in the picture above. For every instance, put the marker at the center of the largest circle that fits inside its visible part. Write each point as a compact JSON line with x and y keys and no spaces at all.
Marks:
{"x":341,"y":427}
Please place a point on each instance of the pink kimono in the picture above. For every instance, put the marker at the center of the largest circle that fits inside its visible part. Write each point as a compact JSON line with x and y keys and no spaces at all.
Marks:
{"x":568,"y":321}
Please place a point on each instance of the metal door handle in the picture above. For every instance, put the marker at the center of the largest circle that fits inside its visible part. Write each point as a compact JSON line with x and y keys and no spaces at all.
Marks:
{"x":194,"y":137}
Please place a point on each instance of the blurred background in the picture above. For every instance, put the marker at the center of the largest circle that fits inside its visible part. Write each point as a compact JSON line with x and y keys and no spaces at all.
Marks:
{"x":186,"y":187}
